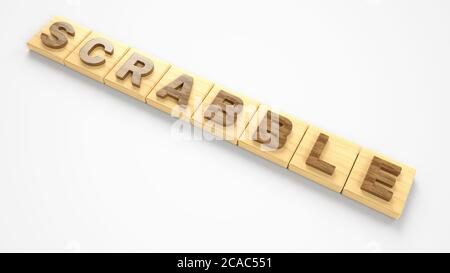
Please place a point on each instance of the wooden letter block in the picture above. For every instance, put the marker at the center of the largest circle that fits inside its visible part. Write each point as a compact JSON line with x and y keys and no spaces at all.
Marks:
{"x":390,"y":178}
{"x":58,"y":39}
{"x":325,"y":160}
{"x":102,"y":60}
{"x":266,"y":128}
{"x":146,"y":81}
{"x":225,"y":114}
{"x":179,"y":93}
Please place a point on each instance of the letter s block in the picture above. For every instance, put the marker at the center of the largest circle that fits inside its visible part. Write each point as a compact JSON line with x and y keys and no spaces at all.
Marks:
{"x":58,"y":39}
{"x":379,"y":183}
{"x":96,"y":56}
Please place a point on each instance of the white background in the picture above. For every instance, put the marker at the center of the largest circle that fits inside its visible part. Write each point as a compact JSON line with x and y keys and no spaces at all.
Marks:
{"x":86,"y":168}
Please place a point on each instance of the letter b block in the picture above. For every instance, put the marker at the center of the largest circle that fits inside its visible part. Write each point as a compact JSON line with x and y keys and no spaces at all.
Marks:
{"x":261,"y":133}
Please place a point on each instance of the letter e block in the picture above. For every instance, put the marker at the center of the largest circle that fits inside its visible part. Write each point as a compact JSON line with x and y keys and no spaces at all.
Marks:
{"x":380,"y":183}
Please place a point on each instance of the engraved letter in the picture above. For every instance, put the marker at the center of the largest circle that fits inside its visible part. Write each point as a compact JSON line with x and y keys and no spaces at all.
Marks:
{"x":273,"y":130}
{"x":90,"y":46}
{"x":138,"y":66}
{"x":179,"y":89}
{"x":314,"y":157}
{"x":381,"y":172}
{"x":58,"y":39}
{"x":224,"y":109}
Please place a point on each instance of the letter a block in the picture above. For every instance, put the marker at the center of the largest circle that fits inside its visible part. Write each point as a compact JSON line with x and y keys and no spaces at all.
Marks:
{"x":177,"y":105}
{"x":337,"y":156}
{"x":401,"y":184}
{"x":63,"y":50}
{"x":278,"y":155}
{"x":101,"y":63}
{"x":147,"y":82}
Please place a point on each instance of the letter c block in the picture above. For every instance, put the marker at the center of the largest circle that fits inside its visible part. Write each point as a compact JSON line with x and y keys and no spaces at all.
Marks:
{"x":98,"y":59}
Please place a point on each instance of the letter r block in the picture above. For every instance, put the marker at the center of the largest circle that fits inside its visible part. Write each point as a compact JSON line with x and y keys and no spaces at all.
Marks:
{"x":148,"y":82}
{"x":58,"y":54}
{"x":336,"y":152}
{"x":400,"y":188}
{"x":96,"y":72}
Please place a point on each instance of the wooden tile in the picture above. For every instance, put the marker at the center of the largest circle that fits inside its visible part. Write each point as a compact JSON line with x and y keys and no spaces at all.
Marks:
{"x":230,"y":133}
{"x":337,"y":152}
{"x":160,"y":68}
{"x":58,"y":54}
{"x":282,"y":155}
{"x":400,"y":190}
{"x":98,"y":72}
{"x":168,"y":104}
